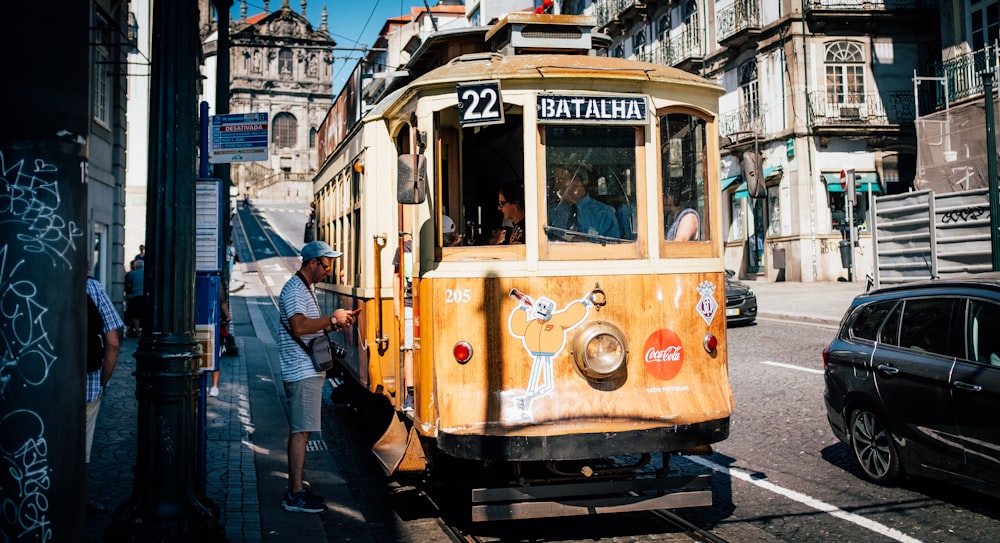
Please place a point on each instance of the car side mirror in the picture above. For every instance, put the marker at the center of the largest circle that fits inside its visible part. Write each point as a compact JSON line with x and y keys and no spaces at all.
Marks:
{"x":411,"y":179}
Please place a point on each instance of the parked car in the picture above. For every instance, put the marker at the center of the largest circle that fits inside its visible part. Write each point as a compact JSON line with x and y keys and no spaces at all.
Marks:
{"x":912,"y":381}
{"x":741,"y":302}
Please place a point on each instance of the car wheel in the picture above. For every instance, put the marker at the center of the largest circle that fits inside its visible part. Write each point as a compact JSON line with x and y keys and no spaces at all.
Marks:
{"x":874,"y":448}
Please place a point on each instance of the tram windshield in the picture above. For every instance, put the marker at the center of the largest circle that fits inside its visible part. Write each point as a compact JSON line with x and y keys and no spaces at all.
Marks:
{"x":590,"y":184}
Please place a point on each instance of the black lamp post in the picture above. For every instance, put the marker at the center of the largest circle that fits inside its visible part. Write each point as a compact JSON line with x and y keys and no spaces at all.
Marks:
{"x":165,"y":504}
{"x":991,"y":167}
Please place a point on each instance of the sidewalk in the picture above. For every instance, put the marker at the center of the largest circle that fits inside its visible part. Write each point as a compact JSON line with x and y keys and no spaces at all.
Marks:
{"x":244,"y":467}
{"x":820,"y":303}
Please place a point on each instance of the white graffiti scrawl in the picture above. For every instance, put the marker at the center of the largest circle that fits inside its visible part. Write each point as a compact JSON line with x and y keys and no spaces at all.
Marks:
{"x":29,"y":195}
{"x":26,"y":348}
{"x":24,"y":476}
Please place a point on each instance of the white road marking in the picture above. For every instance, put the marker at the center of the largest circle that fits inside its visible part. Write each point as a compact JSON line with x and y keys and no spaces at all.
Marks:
{"x":809,"y":501}
{"x":792,"y":367}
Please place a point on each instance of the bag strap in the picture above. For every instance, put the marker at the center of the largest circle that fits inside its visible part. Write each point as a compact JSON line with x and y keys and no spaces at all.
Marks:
{"x":289,"y":330}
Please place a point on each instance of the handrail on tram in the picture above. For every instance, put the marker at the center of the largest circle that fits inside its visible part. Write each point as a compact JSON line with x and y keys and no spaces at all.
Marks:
{"x":381,"y":340}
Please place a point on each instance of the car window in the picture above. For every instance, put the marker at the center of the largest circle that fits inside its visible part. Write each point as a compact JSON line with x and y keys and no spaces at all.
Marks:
{"x":889,"y":334}
{"x":984,"y":324}
{"x":927,"y":325}
{"x":870,"y":317}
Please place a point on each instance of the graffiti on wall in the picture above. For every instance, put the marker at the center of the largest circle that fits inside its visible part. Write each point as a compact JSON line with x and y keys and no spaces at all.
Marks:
{"x":30,"y":211}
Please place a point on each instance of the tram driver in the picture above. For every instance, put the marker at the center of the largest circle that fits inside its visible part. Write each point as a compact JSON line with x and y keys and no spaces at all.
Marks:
{"x":574,"y":211}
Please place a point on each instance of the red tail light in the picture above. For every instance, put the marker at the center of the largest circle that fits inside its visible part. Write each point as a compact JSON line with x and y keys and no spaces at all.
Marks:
{"x":826,"y":356}
{"x":462,"y":352}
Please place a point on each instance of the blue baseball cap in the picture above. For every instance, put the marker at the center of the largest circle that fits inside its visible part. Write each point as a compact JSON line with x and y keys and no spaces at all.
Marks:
{"x":316,"y":249}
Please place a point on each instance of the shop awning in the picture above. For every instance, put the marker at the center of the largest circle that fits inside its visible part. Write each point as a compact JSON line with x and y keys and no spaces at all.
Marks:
{"x":729,"y":181}
{"x":741,"y":191}
{"x":866,"y":181}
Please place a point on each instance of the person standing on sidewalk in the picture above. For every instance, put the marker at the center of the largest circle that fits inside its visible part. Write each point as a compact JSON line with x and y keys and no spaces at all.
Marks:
{"x":299,"y":313}
{"x":97,"y":380}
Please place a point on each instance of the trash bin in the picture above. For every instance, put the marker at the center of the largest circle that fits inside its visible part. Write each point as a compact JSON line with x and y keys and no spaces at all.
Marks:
{"x":845,"y":253}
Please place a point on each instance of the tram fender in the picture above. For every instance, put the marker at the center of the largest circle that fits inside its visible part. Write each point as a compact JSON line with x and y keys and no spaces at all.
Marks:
{"x":399,"y":450}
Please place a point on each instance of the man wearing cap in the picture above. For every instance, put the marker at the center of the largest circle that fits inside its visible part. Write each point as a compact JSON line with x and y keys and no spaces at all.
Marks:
{"x":299,"y":312}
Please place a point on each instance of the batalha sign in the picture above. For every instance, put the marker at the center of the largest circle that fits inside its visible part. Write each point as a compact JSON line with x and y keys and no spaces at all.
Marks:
{"x":614,"y":109}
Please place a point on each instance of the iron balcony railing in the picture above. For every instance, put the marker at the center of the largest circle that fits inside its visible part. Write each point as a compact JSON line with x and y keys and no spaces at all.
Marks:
{"x":963,"y":75}
{"x":871,"y":5}
{"x":742,"y":15}
{"x":606,"y":11}
{"x":744,"y":119}
{"x":655,"y":53}
{"x":687,"y":44}
{"x":862,"y":109}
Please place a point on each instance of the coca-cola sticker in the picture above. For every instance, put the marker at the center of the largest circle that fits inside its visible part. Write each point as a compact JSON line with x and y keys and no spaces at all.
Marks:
{"x":663,"y":354}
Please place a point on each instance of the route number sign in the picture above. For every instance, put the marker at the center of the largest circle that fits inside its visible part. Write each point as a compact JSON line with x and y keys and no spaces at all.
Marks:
{"x":480,"y":103}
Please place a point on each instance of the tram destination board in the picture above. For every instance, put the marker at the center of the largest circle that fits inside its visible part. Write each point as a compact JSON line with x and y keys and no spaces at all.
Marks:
{"x":238,"y":137}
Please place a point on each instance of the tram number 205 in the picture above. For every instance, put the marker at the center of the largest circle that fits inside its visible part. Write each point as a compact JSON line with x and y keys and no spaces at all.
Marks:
{"x":480,"y":103}
{"x":457,"y":296}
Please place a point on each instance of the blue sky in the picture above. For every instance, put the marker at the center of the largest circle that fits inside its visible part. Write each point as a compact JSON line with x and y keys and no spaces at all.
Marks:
{"x":351,"y":23}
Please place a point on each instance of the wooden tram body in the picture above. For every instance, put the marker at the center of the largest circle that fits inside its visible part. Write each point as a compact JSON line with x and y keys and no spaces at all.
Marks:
{"x":566,"y":348}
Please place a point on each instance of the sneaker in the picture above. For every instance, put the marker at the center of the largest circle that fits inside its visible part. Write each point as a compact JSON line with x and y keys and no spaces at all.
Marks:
{"x":213,"y":392}
{"x":408,"y":404}
{"x":301,"y":502}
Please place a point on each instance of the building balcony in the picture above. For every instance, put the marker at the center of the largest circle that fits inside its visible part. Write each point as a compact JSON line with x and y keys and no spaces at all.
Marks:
{"x":620,"y":13}
{"x":743,"y":120}
{"x":867,"y":113}
{"x":822,"y":14}
{"x":963,"y":75}
{"x":686,"y":51}
{"x":655,"y":53}
{"x":868,"y":5}
{"x":738,"y":24}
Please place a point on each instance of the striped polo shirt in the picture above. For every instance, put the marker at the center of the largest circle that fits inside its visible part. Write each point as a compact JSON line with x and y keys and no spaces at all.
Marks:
{"x":295,"y":299}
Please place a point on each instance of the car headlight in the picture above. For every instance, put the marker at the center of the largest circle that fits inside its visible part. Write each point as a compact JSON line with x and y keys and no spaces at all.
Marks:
{"x":600,"y":351}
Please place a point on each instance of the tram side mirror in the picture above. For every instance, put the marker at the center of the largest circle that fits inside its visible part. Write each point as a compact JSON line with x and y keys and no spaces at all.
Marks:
{"x":411,"y":179}
{"x":756,"y":187}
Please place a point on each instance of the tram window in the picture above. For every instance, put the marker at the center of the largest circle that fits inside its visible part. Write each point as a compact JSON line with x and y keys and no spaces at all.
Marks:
{"x":590,"y":184}
{"x":683,"y":147}
{"x":492,"y":157}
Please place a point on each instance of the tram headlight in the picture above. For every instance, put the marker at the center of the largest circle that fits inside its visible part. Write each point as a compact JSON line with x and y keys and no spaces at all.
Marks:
{"x":600,"y":351}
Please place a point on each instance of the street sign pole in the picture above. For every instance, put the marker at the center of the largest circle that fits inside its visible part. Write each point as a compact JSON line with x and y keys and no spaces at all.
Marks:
{"x":991,"y":168}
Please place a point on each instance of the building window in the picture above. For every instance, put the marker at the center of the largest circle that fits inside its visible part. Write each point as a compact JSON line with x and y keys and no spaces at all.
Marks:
{"x":663,"y":27}
{"x":689,"y":11}
{"x":102,"y":74}
{"x":283,"y":132}
{"x":773,"y":212}
{"x":638,"y":41}
{"x":845,"y":73}
{"x":985,"y":19}
{"x":285,"y":63}
{"x":749,"y":95}
{"x":312,"y":138}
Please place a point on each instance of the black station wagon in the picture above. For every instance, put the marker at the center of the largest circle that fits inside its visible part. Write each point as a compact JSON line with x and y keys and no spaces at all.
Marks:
{"x":913,"y":381}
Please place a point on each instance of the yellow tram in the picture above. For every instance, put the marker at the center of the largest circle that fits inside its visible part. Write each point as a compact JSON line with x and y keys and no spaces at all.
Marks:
{"x":596,"y":334}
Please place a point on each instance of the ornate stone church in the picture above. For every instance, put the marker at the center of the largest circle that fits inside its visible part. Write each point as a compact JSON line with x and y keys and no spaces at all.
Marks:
{"x":281,"y":65}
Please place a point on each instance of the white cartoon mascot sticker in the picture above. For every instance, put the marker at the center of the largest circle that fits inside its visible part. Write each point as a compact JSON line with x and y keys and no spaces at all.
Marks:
{"x":542,"y":330}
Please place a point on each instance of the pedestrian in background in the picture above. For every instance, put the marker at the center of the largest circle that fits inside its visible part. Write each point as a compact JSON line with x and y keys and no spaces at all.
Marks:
{"x":103,"y":324}
{"x":134,"y":301}
{"x":299,"y":313}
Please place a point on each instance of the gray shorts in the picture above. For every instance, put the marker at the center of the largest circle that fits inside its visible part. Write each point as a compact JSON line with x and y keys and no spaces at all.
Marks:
{"x":305,"y":404}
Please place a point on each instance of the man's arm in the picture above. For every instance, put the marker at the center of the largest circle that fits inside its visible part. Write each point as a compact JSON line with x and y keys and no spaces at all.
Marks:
{"x":111,"y":346}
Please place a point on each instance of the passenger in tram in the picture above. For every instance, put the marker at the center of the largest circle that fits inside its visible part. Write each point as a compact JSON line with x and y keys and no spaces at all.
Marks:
{"x":510,"y":201}
{"x":680,"y":223}
{"x":449,"y":236}
{"x":575,"y":210}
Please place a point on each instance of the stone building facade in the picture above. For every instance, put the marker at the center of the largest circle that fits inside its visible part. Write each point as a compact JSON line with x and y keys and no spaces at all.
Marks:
{"x":282,"y":66}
